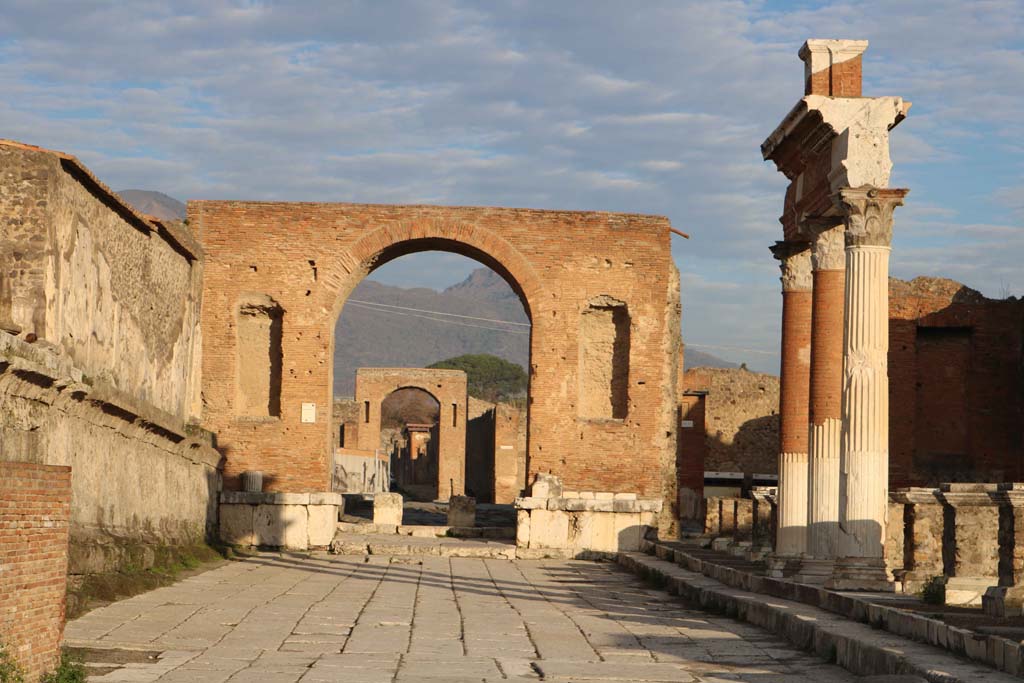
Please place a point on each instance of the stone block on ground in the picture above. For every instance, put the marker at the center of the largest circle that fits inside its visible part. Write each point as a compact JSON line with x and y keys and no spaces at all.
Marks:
{"x":323,"y":522}
{"x":387,"y":508}
{"x":462,"y":511}
{"x":282,"y":526}
{"x":523,"y":528}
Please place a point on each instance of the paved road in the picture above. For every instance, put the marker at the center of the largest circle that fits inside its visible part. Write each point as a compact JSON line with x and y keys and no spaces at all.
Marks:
{"x":277,"y":618}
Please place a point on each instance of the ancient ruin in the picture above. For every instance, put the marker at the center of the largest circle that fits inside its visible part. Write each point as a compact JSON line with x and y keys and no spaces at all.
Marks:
{"x":166,"y":385}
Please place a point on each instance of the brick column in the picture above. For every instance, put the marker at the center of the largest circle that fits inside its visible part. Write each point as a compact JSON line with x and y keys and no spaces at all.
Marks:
{"x":864,"y":457}
{"x":795,"y":263}
{"x":828,"y":260}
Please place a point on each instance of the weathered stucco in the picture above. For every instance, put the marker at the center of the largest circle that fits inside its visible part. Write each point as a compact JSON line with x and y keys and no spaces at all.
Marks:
{"x":111,"y":290}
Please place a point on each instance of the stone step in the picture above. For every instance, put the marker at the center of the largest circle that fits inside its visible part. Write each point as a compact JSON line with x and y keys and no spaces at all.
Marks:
{"x":885,"y":611}
{"x":857,"y":647}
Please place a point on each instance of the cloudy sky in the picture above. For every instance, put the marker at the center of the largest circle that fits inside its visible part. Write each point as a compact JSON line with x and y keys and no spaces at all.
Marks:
{"x":653,"y":107}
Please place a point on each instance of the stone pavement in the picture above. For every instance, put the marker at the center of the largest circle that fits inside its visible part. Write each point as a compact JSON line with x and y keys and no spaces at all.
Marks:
{"x":378,"y":619}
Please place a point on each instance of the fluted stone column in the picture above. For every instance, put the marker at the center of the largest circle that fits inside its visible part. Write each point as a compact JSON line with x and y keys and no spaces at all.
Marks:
{"x":828,"y":260}
{"x":864,"y":457}
{"x":791,"y":540}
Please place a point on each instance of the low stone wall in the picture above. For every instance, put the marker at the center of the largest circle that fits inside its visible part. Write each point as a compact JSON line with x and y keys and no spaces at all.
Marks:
{"x":295,"y":521}
{"x":34,"y":510}
{"x":143,"y":480}
{"x":583,"y":522}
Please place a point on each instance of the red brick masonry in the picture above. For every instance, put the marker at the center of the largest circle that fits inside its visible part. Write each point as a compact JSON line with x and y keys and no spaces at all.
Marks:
{"x":35,"y":503}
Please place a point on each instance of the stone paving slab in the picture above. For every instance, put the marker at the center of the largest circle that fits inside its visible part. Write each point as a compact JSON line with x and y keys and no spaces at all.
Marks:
{"x":377,"y":619}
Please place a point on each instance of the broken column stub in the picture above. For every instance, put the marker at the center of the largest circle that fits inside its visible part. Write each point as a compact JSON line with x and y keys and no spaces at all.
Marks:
{"x":387,"y":509}
{"x":462,"y":511}
{"x":546,"y":486}
{"x":973,"y":536}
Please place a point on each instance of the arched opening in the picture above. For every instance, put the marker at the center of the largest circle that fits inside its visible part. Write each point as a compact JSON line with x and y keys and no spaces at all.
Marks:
{"x":424,"y":306}
{"x":410,"y":435}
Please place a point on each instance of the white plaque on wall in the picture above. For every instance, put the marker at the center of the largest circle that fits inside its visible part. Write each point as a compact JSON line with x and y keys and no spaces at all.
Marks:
{"x":309,"y":412}
{"x":687,"y":424}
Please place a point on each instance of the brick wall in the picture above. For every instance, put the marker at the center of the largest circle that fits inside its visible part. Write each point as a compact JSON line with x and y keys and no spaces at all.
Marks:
{"x":309,"y":257}
{"x":955,"y":384}
{"x":35,"y":503}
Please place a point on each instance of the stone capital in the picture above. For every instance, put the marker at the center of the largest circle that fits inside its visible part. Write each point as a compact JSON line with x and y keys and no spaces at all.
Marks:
{"x":795,"y":264}
{"x":828,"y":246}
{"x":868,"y":214}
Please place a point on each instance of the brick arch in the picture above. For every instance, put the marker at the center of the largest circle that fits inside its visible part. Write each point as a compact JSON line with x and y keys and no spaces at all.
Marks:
{"x":385,"y":244}
{"x":447,"y":387}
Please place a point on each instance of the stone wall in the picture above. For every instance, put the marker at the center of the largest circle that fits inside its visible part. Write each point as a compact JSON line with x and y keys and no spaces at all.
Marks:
{"x":99,"y":360}
{"x":115,"y":293}
{"x":34,"y":511}
{"x":309,"y":257}
{"x":741,"y":419}
{"x":495,"y":452}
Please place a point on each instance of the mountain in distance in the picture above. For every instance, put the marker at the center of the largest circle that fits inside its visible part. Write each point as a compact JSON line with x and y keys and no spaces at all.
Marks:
{"x":387,"y":326}
{"x":154,"y":204}
{"x":693,"y":358}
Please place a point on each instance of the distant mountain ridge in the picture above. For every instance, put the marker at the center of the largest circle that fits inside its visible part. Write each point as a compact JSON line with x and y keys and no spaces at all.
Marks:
{"x":154,"y":204}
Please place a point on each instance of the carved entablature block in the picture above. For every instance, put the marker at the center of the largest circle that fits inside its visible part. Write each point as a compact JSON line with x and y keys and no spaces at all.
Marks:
{"x":868,"y":212}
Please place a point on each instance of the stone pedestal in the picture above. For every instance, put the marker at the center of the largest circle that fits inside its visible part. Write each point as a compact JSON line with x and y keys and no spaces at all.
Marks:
{"x":727,"y":517}
{"x":864,"y":457}
{"x":1007,"y":599}
{"x":922,"y":517}
{"x":795,"y":264}
{"x":294,"y":521}
{"x":764,"y":520}
{"x":586,"y":523}
{"x":712,"y":516}
{"x":462,"y":511}
{"x":387,"y":509}
{"x":974,"y":541}
{"x":744,"y":519}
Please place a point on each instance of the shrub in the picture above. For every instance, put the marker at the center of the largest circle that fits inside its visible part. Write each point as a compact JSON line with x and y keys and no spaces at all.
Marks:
{"x":934,"y":590}
{"x":10,"y":672}
{"x":70,"y":670}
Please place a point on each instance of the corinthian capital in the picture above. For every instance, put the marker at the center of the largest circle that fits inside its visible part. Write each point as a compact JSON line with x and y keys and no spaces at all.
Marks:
{"x":867,"y":212}
{"x":795,"y":264}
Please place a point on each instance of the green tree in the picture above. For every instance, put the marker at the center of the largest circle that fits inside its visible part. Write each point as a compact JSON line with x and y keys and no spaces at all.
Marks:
{"x":490,"y":378}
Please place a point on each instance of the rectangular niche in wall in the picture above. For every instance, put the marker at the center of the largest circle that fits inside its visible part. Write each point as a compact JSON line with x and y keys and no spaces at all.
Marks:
{"x":604,"y":360}
{"x":258,"y":385}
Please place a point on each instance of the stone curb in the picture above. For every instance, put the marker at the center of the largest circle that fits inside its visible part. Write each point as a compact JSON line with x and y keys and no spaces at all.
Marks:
{"x":856,"y":647}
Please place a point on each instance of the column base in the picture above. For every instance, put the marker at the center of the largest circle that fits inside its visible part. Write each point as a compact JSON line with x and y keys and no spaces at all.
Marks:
{"x":815,"y":571}
{"x":860,"y":574}
{"x":782,"y":566}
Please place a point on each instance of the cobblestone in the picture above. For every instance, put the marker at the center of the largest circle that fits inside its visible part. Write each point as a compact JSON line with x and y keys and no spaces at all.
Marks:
{"x":369,"y":619}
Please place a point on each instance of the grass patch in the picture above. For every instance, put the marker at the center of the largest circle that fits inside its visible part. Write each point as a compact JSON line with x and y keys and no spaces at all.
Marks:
{"x":170,"y":564}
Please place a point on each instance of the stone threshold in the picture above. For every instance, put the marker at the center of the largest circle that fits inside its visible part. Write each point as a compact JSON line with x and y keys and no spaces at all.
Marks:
{"x":412,"y":546}
{"x":908,"y":631}
{"x":428,"y":531}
